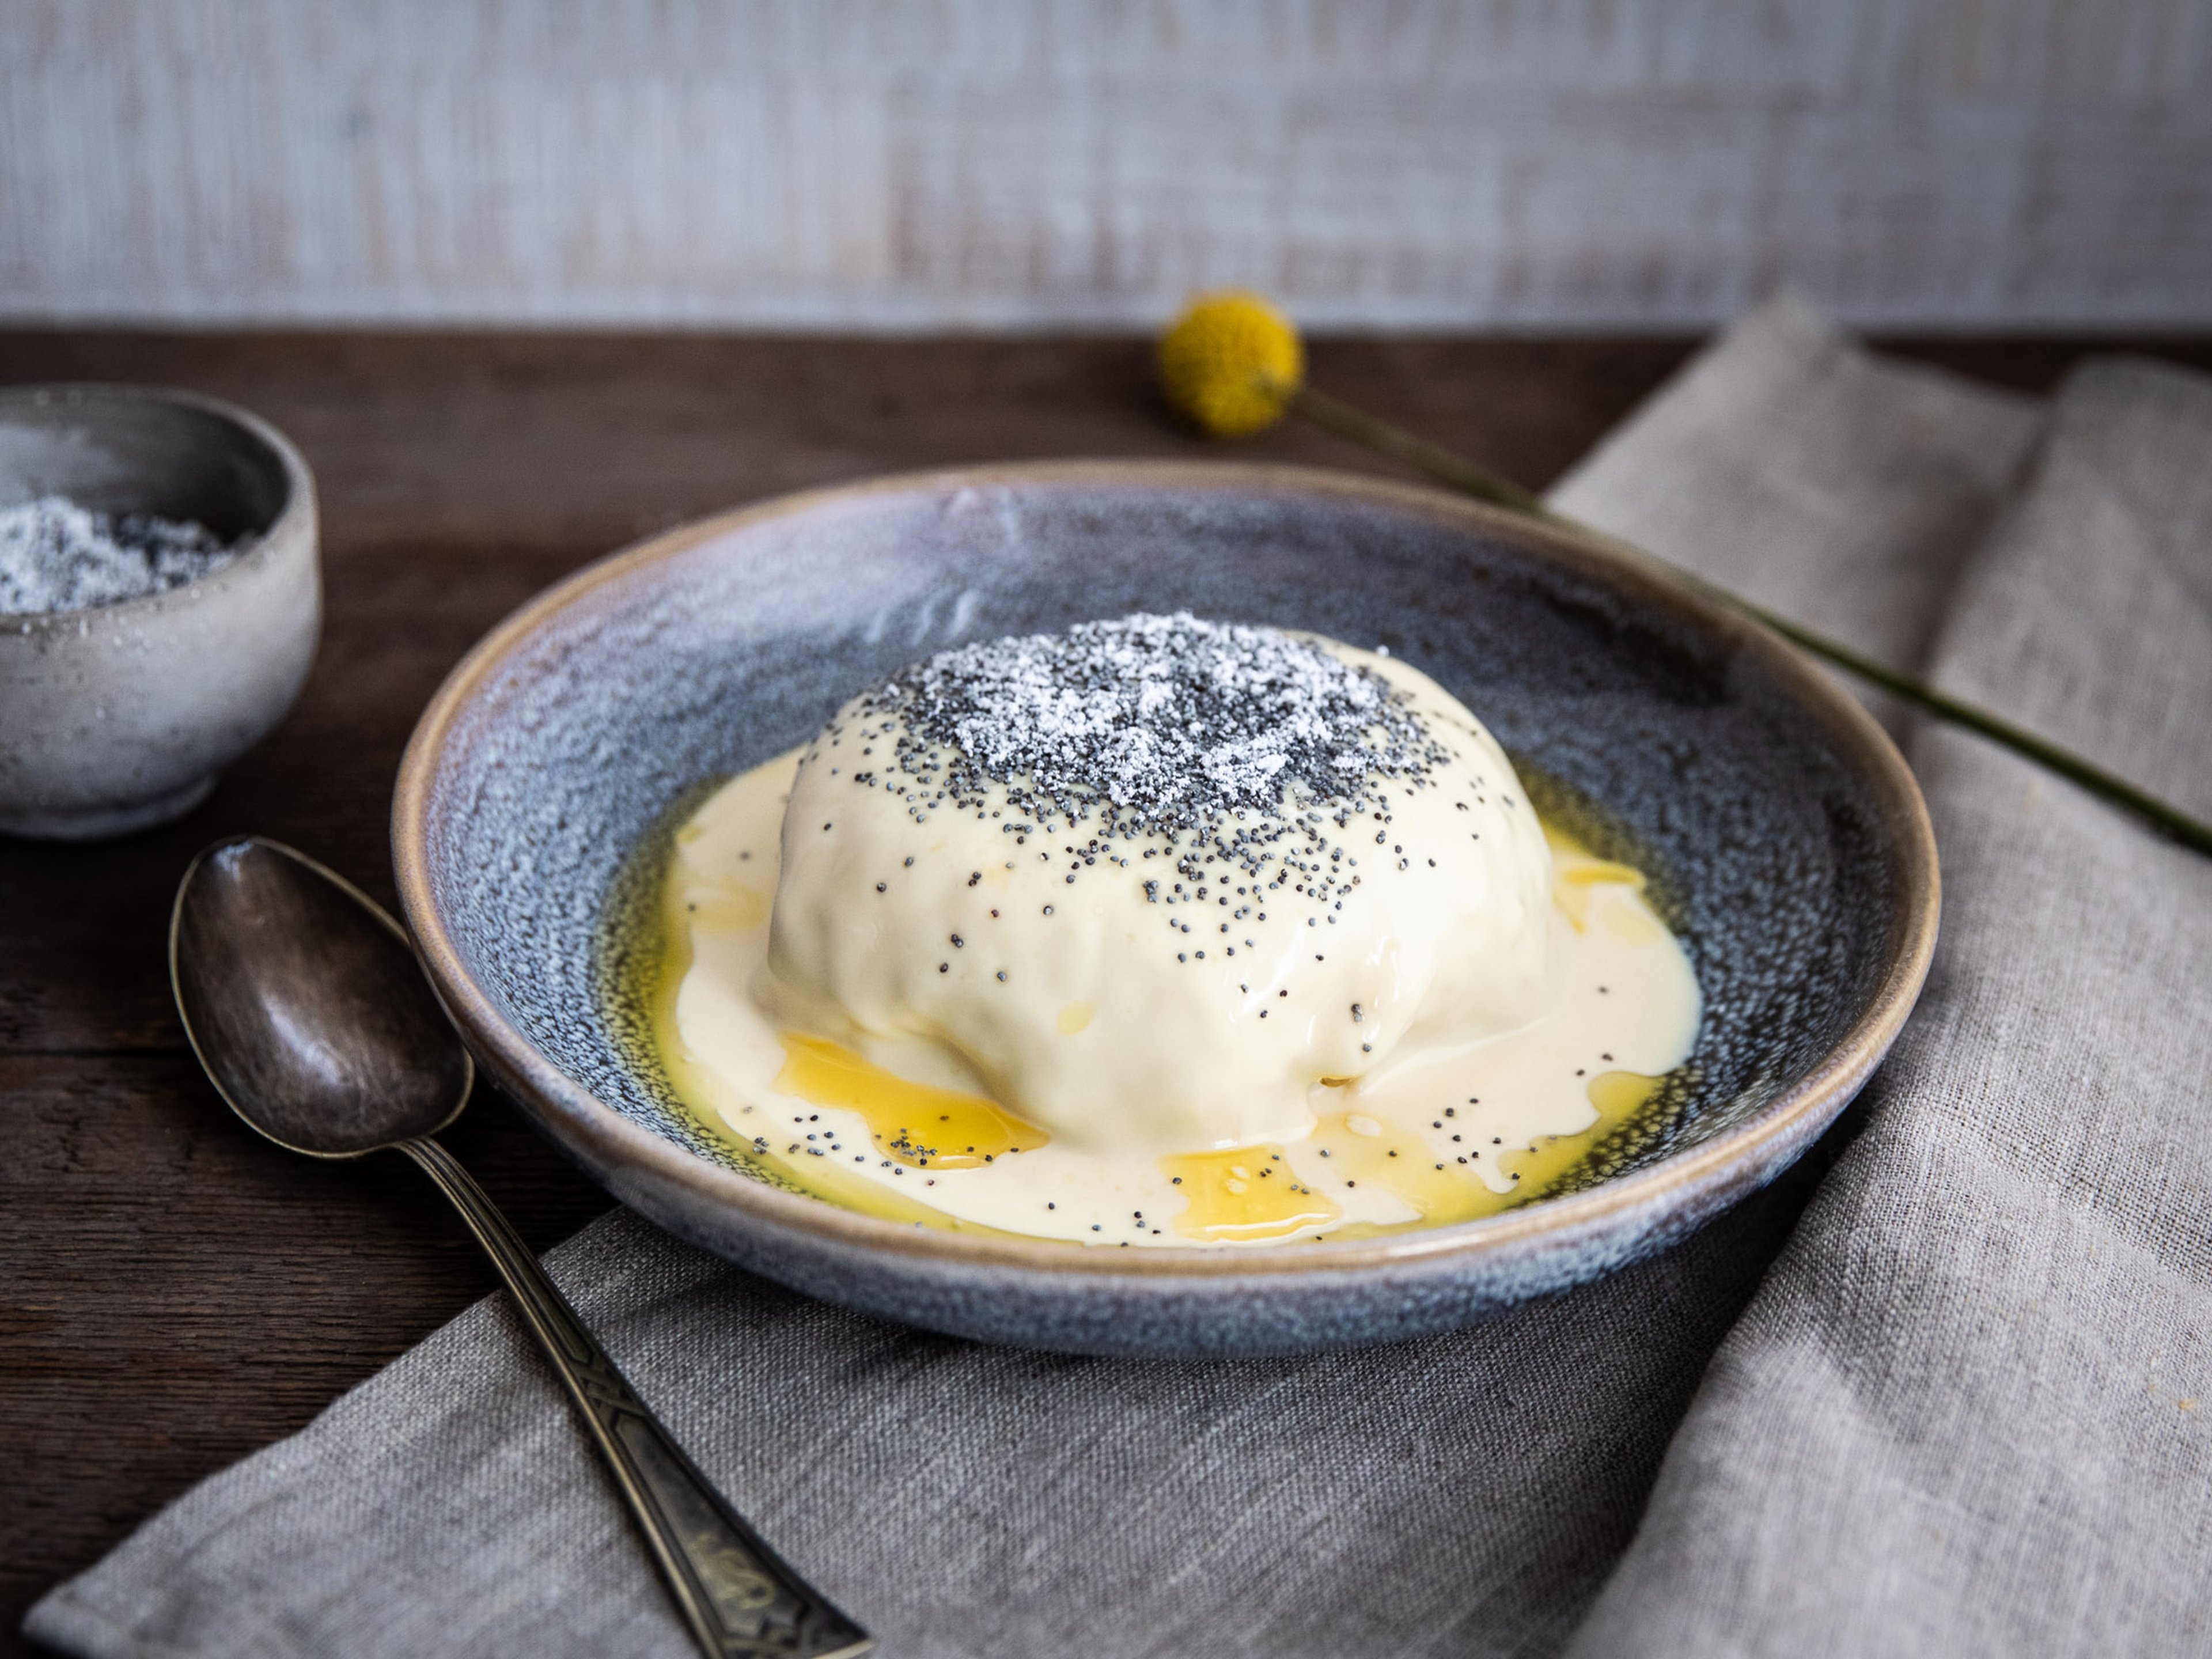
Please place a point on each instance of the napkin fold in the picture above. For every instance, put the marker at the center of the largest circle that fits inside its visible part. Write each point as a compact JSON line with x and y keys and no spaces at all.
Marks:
{"x":1970,"y":1412}
{"x":1982,"y":1333}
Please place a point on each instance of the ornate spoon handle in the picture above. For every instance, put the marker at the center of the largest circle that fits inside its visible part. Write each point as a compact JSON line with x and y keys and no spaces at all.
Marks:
{"x":741,"y":1601}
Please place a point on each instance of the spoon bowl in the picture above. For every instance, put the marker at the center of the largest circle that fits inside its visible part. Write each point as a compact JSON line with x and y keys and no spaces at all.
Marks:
{"x":320,"y":1031}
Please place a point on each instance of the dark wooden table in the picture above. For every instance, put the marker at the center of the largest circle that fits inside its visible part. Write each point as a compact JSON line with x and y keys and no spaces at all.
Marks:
{"x":174,"y":1292}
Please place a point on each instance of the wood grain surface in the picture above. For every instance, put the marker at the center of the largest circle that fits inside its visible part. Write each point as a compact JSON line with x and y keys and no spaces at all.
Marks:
{"x":1448,"y":164}
{"x":173,"y":1291}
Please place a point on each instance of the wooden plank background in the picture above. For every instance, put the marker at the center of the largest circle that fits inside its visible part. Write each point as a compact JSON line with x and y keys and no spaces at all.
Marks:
{"x":926,"y":164}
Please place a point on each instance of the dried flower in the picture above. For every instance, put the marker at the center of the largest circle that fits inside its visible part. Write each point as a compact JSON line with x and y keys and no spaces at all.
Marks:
{"x":1230,"y":362}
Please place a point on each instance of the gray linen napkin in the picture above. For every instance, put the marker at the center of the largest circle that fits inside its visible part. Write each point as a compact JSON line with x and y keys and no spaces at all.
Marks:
{"x":1463,"y":1495}
{"x":1836,"y":487}
{"x":1971,"y":1410}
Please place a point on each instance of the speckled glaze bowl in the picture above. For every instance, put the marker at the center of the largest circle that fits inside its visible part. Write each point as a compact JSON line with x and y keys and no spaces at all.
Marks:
{"x":122,"y":715}
{"x":1786,"y":835}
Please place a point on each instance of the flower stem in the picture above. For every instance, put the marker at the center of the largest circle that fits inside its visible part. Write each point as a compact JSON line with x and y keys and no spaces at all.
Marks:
{"x":1457,"y":472}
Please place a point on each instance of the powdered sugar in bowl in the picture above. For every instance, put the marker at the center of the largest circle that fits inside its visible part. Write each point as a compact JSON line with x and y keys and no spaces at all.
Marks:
{"x":166,"y":605}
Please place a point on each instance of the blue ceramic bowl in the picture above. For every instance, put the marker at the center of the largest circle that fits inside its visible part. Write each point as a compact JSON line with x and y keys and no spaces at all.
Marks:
{"x":1788,"y":842}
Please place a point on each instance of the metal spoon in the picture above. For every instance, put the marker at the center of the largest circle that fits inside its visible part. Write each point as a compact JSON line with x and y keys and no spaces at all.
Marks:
{"x":305,"y":1002}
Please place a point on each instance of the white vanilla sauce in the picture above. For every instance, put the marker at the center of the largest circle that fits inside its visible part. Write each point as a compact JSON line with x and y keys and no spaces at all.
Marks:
{"x":904,"y":1004}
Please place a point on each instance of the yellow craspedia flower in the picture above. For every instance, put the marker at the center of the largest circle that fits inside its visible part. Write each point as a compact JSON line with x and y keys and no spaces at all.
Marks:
{"x":1230,"y":363}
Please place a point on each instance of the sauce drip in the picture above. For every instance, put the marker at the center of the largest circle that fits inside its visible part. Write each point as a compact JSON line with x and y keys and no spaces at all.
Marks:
{"x":921,"y":1126}
{"x":1403,"y":1165}
{"x":1576,"y":872}
{"x":1618,"y":1096}
{"x":1246,"y":1193}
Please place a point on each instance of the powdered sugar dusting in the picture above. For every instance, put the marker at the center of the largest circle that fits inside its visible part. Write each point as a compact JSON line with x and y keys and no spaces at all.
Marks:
{"x":57,"y":555}
{"x":1218,"y":738}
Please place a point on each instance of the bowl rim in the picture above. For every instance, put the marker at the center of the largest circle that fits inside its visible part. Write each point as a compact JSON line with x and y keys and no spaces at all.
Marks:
{"x":1779,"y":1128}
{"x":295,"y":517}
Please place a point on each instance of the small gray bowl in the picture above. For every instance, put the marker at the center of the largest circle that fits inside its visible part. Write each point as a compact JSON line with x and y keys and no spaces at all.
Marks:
{"x":122,"y":715}
{"x":1785,"y":834}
